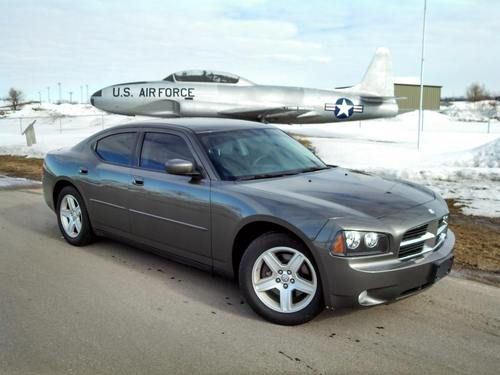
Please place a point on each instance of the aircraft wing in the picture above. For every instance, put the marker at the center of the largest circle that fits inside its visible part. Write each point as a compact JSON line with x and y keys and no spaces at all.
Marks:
{"x":270,"y":114}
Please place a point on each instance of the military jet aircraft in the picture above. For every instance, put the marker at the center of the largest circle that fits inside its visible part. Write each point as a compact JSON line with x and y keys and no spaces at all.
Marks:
{"x":206,"y":93}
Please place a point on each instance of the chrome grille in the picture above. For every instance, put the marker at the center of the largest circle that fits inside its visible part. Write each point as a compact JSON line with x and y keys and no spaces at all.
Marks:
{"x":411,"y":249}
{"x":415,"y":233}
{"x":418,"y":240}
{"x":424,"y":238}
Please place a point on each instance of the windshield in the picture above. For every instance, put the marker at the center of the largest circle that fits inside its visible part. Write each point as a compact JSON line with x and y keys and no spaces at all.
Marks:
{"x":258,"y":153}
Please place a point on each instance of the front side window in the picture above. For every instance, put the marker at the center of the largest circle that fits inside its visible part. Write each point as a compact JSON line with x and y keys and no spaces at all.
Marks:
{"x":117,"y":148}
{"x":257,"y":153}
{"x":158,"y":148}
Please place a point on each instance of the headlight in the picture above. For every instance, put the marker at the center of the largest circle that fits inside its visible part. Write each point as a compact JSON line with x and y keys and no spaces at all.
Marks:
{"x":371,"y":240}
{"x":355,"y":243}
{"x":352,"y":239}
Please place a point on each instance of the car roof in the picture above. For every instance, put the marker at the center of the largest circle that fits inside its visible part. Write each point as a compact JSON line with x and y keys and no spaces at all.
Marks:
{"x":196,"y":125}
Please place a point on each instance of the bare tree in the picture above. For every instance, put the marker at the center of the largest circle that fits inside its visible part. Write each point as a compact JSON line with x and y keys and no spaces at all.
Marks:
{"x":15,"y":96}
{"x":476,"y":92}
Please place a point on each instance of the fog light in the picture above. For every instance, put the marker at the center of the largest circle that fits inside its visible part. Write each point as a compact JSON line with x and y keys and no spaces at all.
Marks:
{"x":366,"y":300}
{"x":352,"y":239}
{"x":371,"y":240}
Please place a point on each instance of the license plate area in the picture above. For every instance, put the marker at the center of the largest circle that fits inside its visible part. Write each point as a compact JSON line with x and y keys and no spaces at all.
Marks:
{"x":441,"y":268}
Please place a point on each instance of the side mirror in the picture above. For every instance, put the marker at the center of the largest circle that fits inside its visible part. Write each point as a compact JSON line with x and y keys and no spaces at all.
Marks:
{"x":181,"y":167}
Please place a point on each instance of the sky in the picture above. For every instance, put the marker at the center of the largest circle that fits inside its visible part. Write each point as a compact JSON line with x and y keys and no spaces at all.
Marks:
{"x":318,"y":44}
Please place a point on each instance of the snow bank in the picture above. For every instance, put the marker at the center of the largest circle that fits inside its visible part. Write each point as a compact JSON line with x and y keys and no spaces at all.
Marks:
{"x":458,"y":159}
{"x":485,"y":156}
{"x":12,"y":182}
{"x":56,"y":110}
{"x":478,"y":111}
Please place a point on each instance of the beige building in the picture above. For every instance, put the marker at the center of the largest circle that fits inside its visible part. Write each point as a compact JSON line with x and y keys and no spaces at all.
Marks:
{"x":411,"y":93}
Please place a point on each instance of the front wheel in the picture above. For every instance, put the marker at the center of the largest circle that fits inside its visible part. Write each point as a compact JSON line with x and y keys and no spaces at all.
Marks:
{"x":279,"y":280}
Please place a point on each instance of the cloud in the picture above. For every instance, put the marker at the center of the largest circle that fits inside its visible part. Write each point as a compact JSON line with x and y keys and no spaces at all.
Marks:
{"x":314,"y":44}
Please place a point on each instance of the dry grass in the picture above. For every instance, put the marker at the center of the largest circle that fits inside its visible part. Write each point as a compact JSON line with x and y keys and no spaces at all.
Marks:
{"x":19,"y":166}
{"x":478,"y":238}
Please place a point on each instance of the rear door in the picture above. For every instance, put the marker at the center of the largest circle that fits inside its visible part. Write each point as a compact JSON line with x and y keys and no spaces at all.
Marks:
{"x":170,"y":212}
{"x":108,"y":182}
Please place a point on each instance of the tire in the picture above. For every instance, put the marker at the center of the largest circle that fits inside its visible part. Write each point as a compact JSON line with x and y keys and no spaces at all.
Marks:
{"x":279,"y":280}
{"x":73,"y":218}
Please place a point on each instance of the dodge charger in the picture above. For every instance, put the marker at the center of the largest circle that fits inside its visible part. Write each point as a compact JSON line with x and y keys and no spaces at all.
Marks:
{"x":246,"y":200}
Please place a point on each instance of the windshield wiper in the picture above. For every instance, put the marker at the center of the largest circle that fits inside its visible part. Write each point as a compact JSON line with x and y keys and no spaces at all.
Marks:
{"x":265,"y":175}
{"x":313,"y":169}
{"x":281,"y":174}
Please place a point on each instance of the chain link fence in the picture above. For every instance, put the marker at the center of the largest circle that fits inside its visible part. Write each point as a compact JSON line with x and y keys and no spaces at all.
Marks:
{"x":59,"y":122}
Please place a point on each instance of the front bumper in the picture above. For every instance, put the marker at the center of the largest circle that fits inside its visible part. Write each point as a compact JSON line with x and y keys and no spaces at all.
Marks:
{"x":354,"y":281}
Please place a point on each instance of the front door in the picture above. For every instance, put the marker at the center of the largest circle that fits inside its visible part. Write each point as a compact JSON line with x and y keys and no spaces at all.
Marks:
{"x":170,"y":212}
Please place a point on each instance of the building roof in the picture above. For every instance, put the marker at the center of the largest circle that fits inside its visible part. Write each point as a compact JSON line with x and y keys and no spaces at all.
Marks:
{"x":410,"y":81}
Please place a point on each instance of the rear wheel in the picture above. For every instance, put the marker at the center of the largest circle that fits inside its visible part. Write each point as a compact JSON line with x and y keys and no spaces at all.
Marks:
{"x":280,"y":281}
{"x":73,"y":218}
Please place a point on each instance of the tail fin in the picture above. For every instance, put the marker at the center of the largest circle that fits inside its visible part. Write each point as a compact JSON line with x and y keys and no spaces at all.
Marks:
{"x":378,"y":79}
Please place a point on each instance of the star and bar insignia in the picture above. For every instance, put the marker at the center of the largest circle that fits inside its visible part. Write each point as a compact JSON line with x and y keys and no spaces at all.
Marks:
{"x":343,"y":108}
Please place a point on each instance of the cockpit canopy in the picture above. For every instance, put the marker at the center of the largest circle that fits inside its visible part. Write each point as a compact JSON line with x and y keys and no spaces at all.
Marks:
{"x":207,"y":76}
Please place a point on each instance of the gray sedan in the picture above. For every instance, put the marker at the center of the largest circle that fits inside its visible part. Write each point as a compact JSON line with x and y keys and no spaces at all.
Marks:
{"x":246,"y":200}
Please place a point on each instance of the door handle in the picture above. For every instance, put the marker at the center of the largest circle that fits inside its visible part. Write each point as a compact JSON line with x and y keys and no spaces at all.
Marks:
{"x":83,"y":170}
{"x":138,"y":181}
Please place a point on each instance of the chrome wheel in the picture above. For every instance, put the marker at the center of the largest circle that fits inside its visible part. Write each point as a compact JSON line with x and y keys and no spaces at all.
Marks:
{"x":71,"y":216}
{"x":284,"y":279}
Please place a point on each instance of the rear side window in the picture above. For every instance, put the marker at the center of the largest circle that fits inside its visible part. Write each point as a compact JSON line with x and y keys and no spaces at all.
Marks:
{"x":117,"y":148}
{"x":158,"y":148}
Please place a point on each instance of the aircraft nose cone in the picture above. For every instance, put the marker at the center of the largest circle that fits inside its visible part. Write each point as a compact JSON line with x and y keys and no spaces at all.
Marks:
{"x":95,"y":95}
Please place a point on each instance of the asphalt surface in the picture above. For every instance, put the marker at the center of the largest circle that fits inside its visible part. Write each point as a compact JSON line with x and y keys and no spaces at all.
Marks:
{"x":111,"y":308}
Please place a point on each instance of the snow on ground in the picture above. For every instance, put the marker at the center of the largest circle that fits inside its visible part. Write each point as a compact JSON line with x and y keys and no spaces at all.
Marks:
{"x":459,"y":159}
{"x":477,"y":111}
{"x":12,"y":182}
{"x":447,"y":147}
{"x":56,"y":126}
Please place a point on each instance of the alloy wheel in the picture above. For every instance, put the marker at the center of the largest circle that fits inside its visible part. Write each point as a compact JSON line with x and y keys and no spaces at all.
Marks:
{"x":71,"y":216}
{"x":284,"y":279}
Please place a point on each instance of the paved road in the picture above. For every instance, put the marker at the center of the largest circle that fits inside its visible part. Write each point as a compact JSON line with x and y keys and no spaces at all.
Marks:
{"x":110,"y":308}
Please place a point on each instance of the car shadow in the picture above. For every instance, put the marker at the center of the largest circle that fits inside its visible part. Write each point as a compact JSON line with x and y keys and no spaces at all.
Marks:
{"x":217,"y":293}
{"x":191,"y":282}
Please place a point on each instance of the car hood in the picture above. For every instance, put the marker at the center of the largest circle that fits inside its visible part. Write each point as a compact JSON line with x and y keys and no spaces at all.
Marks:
{"x":341,"y":192}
